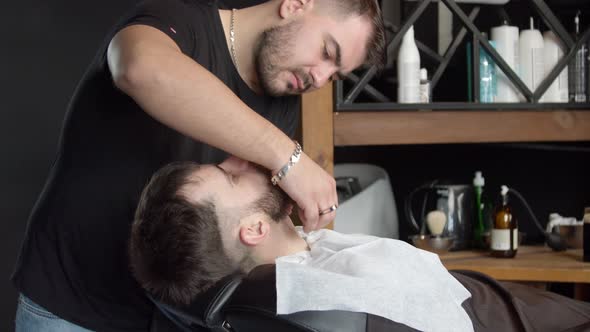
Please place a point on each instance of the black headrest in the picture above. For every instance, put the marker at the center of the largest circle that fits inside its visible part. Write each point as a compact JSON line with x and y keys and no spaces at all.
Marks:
{"x":249,"y":305}
{"x":252,"y":308}
{"x":206,"y":310}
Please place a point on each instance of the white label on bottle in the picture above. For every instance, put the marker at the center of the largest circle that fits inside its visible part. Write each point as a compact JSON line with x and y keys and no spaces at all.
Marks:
{"x":410,"y":83}
{"x":516,"y":64}
{"x":501,"y":239}
{"x":563,"y":86}
{"x":538,"y":69}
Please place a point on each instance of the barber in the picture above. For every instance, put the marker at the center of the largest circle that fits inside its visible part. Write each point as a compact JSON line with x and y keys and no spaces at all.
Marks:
{"x":178,"y":80}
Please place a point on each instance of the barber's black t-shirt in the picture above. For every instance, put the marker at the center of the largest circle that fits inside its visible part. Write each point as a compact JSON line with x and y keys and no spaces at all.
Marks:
{"x":74,"y":257}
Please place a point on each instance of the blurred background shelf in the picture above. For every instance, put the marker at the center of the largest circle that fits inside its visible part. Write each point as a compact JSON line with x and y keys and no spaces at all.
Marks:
{"x":443,"y":51}
{"x":411,"y":127}
{"x":450,"y":106}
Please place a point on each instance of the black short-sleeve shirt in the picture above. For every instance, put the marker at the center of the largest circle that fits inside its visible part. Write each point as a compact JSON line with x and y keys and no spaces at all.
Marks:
{"x":74,"y":257}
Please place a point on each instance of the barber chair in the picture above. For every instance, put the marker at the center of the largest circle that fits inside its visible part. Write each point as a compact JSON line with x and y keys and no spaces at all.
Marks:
{"x":248,"y":304}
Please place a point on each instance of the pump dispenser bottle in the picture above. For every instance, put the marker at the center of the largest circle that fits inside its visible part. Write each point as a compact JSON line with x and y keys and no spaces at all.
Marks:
{"x":408,"y":70}
{"x":506,"y":39}
{"x":577,"y":70}
{"x":425,"y":90}
{"x":478,"y":184}
{"x":531,"y":60}
{"x":504,"y":242}
{"x":553,"y":52}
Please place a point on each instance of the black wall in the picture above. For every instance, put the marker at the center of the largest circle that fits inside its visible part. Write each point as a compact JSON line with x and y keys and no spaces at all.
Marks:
{"x":46,"y":45}
{"x":45,"y":49}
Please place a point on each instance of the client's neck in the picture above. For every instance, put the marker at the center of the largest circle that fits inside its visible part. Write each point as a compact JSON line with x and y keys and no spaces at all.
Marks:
{"x":293,"y":243}
{"x":283,"y":240}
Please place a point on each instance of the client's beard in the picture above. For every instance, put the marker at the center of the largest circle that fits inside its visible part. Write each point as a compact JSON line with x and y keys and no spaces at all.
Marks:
{"x":275,"y":203}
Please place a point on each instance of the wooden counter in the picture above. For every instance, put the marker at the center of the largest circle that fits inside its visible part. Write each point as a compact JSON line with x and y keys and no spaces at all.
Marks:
{"x":531,"y":264}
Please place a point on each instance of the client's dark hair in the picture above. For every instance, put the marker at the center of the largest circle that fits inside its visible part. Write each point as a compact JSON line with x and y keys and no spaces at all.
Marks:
{"x":175,"y":250}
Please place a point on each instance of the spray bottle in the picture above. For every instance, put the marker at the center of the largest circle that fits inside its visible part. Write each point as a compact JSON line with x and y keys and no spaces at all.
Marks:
{"x":408,"y":70}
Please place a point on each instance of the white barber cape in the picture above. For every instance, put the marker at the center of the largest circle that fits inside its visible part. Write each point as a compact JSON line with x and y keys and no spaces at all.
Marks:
{"x":383,"y":277}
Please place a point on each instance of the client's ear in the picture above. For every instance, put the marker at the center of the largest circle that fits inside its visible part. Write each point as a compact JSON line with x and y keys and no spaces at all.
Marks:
{"x":253,"y":233}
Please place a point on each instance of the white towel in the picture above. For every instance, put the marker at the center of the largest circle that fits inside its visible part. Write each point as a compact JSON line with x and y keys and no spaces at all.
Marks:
{"x":362,"y":273}
{"x":556,"y":220}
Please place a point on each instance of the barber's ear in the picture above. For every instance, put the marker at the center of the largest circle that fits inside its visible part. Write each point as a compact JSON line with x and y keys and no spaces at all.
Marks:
{"x":252,"y":234}
{"x":294,"y":7}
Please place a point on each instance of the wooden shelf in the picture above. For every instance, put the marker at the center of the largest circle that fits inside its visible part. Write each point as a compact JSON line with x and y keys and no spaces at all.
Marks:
{"x":429,"y":127}
{"x":322,"y":128}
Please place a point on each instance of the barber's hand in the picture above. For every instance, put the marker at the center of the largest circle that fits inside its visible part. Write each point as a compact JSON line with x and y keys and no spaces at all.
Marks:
{"x":314,"y":190}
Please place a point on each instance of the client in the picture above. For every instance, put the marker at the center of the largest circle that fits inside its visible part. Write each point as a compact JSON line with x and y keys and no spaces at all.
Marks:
{"x":196,"y":224}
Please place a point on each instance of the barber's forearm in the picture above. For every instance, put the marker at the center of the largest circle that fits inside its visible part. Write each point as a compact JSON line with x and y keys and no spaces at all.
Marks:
{"x":183,"y":95}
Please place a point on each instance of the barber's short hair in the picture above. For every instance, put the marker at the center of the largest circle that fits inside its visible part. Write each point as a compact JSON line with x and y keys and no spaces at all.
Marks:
{"x":175,"y":250}
{"x":376,"y":45}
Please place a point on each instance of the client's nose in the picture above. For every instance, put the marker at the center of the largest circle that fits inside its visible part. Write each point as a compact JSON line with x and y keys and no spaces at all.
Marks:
{"x":235,"y":165}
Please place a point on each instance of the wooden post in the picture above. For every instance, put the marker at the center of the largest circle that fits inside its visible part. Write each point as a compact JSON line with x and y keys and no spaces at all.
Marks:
{"x":317,"y":122}
{"x":317,"y":132}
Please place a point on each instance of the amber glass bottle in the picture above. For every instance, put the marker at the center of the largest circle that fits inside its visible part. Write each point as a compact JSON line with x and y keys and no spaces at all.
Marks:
{"x":504,"y":237}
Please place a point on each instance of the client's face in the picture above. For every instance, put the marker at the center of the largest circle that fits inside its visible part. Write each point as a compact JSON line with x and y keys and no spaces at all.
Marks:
{"x":241,"y":188}
{"x":253,"y":214}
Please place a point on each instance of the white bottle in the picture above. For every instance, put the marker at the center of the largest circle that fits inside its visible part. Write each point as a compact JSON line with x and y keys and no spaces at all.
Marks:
{"x":506,"y":39}
{"x":425,"y":90}
{"x":577,"y":70}
{"x":532,"y":69}
{"x":408,"y":70}
{"x":558,"y":91}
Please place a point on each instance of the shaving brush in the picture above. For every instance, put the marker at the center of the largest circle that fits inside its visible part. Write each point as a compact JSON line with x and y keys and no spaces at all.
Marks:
{"x":436,"y":221}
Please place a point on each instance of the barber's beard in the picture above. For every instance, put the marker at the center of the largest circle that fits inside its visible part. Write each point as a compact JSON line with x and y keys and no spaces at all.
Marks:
{"x":274,"y":49}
